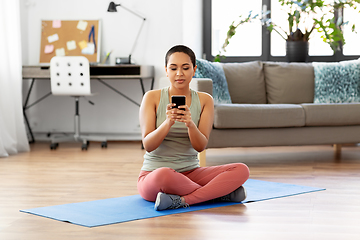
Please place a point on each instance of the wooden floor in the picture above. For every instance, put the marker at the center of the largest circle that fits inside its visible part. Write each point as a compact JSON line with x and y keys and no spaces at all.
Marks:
{"x":43,"y":178}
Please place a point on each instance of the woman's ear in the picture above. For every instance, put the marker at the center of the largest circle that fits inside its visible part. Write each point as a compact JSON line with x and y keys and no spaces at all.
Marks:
{"x":166,"y":71}
{"x":195,"y":70}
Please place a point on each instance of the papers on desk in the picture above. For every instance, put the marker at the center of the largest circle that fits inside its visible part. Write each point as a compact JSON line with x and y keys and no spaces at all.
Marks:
{"x":49,"y":49}
{"x":53,"y":38}
{"x":56,"y":24}
{"x":60,"y":52}
{"x":90,"y":49}
{"x":82,"y":25}
{"x":71,"y":45}
{"x":82,"y":44}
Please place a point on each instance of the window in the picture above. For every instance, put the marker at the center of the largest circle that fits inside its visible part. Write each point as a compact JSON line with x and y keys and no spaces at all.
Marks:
{"x":220,"y":25}
{"x":316,"y":46}
{"x":254,"y":42}
{"x":352,"y":39}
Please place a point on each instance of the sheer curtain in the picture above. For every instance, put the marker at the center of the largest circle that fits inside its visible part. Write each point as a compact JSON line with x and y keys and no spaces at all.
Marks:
{"x":13,"y":137}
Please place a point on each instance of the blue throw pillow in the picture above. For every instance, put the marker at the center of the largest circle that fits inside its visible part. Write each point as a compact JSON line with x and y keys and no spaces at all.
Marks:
{"x":337,"y":82}
{"x":215,"y":72}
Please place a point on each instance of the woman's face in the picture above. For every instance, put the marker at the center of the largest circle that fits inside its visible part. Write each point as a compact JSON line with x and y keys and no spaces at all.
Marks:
{"x":180,"y":69}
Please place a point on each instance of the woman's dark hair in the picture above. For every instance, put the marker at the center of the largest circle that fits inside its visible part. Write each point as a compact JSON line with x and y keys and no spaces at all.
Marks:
{"x":183,"y":49}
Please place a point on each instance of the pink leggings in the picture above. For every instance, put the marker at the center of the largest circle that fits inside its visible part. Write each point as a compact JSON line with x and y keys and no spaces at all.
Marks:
{"x":197,"y":185}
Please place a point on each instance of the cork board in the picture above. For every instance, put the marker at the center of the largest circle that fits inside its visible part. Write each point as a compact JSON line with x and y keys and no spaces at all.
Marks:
{"x":70,"y":38}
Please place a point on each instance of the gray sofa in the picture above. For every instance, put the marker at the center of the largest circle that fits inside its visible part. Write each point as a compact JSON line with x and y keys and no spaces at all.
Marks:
{"x":273,"y":105}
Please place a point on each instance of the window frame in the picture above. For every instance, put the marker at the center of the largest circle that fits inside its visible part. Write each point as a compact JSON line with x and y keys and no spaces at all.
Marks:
{"x":266,"y":42}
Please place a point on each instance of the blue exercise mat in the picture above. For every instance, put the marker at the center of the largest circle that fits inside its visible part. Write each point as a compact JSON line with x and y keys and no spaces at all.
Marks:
{"x":123,"y":209}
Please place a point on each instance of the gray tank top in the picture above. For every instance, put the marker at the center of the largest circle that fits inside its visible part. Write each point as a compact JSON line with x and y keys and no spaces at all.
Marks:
{"x":175,"y":151}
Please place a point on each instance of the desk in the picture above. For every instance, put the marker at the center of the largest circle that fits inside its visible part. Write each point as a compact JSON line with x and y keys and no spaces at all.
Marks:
{"x":97,"y":72}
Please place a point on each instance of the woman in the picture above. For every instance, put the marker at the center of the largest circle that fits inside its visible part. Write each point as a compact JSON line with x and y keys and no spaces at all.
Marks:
{"x":172,"y":137}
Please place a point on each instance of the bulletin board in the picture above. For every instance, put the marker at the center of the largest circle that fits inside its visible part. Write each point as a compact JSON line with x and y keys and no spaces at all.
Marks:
{"x":70,"y":38}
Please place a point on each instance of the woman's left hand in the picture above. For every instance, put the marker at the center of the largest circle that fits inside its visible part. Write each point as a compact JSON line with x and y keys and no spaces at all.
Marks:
{"x":184,"y":116}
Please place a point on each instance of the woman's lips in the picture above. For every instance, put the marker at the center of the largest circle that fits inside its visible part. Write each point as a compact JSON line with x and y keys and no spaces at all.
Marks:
{"x":180,"y":80}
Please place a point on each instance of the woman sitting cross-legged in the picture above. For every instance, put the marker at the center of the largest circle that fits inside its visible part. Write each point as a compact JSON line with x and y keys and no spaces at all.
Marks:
{"x":172,"y":137}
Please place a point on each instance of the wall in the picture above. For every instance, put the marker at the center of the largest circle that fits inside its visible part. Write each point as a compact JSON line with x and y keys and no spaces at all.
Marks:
{"x":167,"y":23}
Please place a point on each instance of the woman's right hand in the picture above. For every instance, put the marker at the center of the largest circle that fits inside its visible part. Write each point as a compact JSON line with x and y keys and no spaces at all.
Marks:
{"x":171,"y":113}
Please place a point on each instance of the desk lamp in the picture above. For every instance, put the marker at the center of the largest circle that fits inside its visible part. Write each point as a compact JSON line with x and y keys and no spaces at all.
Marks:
{"x":112,"y":8}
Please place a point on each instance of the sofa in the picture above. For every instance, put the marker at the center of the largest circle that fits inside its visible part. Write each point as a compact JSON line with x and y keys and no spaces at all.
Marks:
{"x":272,"y":104}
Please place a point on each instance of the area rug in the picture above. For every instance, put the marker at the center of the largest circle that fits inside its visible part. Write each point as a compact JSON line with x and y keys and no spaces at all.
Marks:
{"x":129,"y":208}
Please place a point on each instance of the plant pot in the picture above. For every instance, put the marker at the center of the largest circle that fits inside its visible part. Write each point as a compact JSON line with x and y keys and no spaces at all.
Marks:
{"x":297,"y":51}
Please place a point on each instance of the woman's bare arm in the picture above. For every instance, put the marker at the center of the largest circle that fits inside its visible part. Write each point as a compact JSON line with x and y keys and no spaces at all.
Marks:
{"x":152,"y":136}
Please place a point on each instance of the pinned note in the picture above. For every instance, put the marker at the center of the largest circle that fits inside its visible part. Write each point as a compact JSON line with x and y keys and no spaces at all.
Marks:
{"x":90,"y":49}
{"x":53,"y":38}
{"x":71,"y":45}
{"x":82,"y":44}
{"x":82,"y":25}
{"x":56,"y":24}
{"x":49,"y":49}
{"x":60,"y":52}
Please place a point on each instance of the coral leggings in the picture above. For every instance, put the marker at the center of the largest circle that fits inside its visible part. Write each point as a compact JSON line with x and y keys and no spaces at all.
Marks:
{"x":198,"y":185}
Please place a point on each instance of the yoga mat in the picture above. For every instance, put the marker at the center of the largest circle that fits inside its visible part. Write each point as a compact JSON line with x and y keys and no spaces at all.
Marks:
{"x":129,"y":208}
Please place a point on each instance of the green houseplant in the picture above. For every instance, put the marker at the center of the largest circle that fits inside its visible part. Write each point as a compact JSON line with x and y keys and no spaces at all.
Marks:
{"x":304,"y":17}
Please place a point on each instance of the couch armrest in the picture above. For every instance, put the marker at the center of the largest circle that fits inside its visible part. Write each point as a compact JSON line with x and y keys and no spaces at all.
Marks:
{"x":204,"y":85}
{"x":197,"y":84}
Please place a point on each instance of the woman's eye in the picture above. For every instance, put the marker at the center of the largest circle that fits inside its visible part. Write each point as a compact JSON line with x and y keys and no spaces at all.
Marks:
{"x":174,"y":69}
{"x":186,"y":68}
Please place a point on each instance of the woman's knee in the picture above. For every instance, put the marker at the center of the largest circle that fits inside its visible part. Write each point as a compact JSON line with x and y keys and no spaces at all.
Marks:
{"x":242,"y":170}
{"x":162,"y":176}
{"x":154,"y":182}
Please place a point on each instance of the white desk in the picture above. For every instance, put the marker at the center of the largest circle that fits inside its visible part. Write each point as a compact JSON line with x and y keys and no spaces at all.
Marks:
{"x":97,"y":72}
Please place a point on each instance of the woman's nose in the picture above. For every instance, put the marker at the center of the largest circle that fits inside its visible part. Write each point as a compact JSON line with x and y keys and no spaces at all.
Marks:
{"x":179,"y":72}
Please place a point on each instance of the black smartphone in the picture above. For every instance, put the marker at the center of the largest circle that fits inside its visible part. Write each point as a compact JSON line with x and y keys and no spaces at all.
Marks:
{"x":179,"y":101}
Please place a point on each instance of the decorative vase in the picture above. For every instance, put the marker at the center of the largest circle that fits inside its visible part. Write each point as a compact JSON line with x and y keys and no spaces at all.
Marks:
{"x":297,"y":51}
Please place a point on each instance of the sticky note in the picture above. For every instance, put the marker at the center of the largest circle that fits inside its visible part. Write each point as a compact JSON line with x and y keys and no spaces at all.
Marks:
{"x":90,"y":49}
{"x":49,"y":48}
{"x":82,"y":44}
{"x":82,"y":25}
{"x":56,"y":24}
{"x":60,"y":52}
{"x":71,"y":45}
{"x":53,"y":38}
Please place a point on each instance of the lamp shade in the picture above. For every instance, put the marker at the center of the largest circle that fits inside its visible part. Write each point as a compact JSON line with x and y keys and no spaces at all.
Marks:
{"x":112,"y":7}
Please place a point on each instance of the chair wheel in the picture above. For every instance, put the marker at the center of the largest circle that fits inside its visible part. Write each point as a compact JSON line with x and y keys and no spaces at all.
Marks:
{"x":53,"y":146}
{"x":84,"y":147}
{"x":104,"y":144}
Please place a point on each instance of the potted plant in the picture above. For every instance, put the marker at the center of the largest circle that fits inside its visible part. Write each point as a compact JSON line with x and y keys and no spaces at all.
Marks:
{"x":304,"y":17}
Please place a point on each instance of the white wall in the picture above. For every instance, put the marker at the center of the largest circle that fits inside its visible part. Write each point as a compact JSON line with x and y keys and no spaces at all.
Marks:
{"x":167,"y":23}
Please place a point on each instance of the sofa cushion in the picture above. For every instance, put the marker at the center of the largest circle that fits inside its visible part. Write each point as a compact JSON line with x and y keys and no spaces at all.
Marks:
{"x":245,"y":82}
{"x":215,"y":72}
{"x":332,"y":114}
{"x":258,"y":115}
{"x":337,"y":82}
{"x":289,"y":82}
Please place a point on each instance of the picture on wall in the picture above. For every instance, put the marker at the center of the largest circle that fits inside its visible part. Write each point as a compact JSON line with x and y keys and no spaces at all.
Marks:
{"x":70,"y":38}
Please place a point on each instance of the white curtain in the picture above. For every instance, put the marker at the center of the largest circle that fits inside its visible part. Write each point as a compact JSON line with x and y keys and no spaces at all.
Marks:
{"x":13,"y":137}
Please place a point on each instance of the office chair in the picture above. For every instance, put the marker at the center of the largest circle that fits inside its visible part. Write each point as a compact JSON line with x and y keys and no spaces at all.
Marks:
{"x":70,"y":76}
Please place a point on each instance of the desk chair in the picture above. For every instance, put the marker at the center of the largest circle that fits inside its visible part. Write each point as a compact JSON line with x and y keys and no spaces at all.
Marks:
{"x":70,"y":76}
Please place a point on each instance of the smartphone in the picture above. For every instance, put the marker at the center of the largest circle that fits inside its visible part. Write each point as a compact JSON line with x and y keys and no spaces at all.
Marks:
{"x":179,"y":101}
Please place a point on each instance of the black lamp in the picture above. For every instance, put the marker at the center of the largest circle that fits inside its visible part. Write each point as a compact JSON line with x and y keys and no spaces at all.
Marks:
{"x":112,"y":8}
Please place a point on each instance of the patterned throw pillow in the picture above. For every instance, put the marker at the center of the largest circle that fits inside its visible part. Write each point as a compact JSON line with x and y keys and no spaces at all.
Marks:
{"x":215,"y":72}
{"x":337,"y":82}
